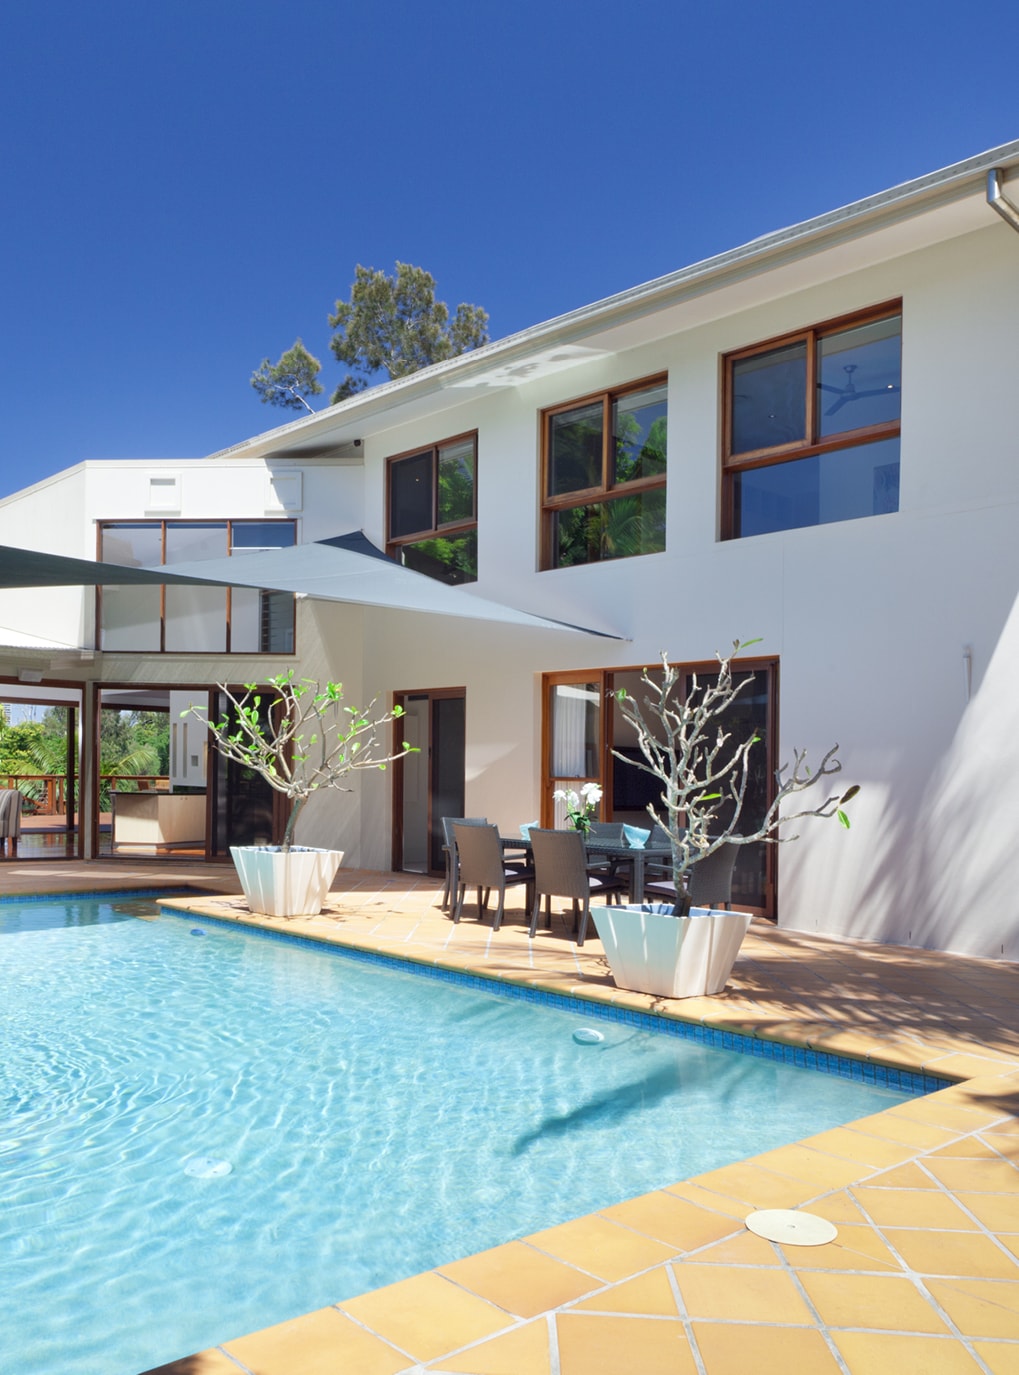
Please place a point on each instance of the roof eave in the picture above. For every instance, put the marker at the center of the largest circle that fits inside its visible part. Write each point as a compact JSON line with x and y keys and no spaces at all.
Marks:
{"x":919,"y":196}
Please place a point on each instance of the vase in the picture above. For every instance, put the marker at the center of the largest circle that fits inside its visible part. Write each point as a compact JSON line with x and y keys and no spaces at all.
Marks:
{"x":650,"y":950}
{"x":285,"y":883}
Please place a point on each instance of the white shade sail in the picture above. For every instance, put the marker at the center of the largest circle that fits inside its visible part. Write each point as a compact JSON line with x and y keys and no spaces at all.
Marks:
{"x":347,"y":568}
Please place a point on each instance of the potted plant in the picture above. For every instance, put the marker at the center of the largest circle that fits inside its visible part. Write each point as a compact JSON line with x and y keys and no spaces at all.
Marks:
{"x":300,"y":738}
{"x":580,"y":806}
{"x":672,"y":949}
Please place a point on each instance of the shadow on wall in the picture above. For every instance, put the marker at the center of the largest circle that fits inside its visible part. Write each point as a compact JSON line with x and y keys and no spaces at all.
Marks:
{"x":948,"y":873}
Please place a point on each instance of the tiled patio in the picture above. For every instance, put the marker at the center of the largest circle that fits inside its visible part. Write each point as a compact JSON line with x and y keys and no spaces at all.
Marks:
{"x":922,"y":1277}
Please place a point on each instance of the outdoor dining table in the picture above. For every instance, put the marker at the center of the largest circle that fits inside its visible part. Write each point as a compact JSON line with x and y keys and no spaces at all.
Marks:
{"x":598,"y":846}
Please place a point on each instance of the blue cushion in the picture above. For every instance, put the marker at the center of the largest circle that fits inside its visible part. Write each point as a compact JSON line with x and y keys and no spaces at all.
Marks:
{"x":525,"y":829}
{"x":635,"y":837}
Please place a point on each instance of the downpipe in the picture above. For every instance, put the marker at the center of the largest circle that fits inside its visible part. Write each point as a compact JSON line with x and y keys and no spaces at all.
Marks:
{"x":998,"y":201}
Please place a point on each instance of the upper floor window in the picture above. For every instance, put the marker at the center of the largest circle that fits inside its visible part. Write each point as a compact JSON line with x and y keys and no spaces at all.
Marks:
{"x":603,"y":476}
{"x":432,"y":512}
{"x":812,"y":426}
{"x":182,"y":618}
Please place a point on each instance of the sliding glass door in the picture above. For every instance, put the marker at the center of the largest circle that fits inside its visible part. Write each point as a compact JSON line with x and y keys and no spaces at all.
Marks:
{"x":586,"y":739}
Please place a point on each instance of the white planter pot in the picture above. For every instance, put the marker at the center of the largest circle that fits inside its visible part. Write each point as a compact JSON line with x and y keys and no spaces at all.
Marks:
{"x":291,"y":883}
{"x":651,"y":951}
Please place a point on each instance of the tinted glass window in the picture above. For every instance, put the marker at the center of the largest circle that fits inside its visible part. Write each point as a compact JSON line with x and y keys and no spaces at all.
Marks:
{"x":575,"y":450}
{"x":456,"y":482}
{"x":249,"y":535}
{"x":639,"y":427}
{"x":410,"y":493}
{"x":135,"y":546}
{"x":615,"y":529}
{"x":859,"y":374}
{"x":453,"y":559}
{"x":843,"y":485}
{"x":769,"y":399}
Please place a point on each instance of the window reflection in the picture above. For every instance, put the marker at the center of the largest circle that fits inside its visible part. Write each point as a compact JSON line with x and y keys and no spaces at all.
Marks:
{"x":769,"y":399}
{"x":843,"y":485}
{"x":859,"y":376}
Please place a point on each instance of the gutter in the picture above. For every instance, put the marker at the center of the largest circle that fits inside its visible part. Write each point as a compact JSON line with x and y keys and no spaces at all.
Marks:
{"x":912,"y":198}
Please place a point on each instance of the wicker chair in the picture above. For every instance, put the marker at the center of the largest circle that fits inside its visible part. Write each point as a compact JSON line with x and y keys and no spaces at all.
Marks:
{"x":659,"y":835}
{"x":708,"y":882}
{"x":561,"y":871}
{"x":607,"y":830}
{"x":10,"y":820}
{"x":659,"y":868}
{"x":449,"y":850}
{"x":480,"y":864}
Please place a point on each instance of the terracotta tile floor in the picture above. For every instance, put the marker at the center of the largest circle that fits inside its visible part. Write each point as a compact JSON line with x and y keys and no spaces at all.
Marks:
{"x":923,"y":1275}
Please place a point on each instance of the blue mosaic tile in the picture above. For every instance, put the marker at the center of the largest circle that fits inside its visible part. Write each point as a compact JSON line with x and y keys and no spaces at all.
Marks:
{"x":824,"y":1062}
{"x":105,"y":895}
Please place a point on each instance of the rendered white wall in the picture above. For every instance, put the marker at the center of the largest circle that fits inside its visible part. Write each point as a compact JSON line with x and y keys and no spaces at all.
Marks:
{"x":869,"y":617}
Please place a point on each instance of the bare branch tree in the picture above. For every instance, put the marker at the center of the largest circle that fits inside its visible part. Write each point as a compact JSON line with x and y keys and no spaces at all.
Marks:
{"x":300,"y":737}
{"x":704,"y":771}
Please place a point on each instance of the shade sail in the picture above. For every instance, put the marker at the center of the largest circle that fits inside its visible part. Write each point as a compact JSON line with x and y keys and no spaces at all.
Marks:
{"x":21,"y":568}
{"x":347,"y":568}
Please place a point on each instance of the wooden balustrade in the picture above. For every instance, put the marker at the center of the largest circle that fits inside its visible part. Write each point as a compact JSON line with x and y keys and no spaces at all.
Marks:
{"x":50,"y":797}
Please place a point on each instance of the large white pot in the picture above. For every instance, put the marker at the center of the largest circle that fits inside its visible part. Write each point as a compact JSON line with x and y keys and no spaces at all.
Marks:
{"x":651,"y":951}
{"x":291,"y":883}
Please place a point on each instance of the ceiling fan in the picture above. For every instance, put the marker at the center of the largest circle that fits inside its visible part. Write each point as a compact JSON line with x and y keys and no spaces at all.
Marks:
{"x":849,"y":393}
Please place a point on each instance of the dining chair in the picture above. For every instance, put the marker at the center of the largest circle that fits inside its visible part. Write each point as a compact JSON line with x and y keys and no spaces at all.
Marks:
{"x":10,"y":820}
{"x":659,"y":835}
{"x":449,"y":851}
{"x":561,"y":870}
{"x":659,"y":867}
{"x":607,"y":830}
{"x":612,"y":831}
{"x":480,"y":864}
{"x":708,"y":882}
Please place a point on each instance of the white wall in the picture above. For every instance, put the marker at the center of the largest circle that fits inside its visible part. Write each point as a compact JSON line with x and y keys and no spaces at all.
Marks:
{"x":869,"y":617}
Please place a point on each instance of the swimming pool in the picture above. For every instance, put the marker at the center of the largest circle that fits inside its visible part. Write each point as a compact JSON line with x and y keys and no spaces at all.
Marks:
{"x":208,"y":1133}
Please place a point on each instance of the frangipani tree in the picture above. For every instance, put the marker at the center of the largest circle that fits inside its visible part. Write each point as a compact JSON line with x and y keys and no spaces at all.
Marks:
{"x":301,"y":738}
{"x":704,"y":771}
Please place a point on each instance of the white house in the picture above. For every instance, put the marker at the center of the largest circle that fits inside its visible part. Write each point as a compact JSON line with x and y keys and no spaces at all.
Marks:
{"x":804,"y":441}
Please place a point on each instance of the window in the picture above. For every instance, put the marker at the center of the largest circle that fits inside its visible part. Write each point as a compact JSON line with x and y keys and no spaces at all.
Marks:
{"x":812,"y":426}
{"x":193,"y":619}
{"x":431,"y":502}
{"x":603,"y":480}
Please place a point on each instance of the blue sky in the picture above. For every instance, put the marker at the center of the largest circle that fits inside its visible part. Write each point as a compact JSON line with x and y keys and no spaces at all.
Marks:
{"x":189,"y":184}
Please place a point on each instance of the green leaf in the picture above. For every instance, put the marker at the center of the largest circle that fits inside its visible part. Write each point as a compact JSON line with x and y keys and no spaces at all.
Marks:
{"x":843,"y":819}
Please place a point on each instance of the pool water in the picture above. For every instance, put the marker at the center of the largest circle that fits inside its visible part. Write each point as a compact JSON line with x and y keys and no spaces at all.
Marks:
{"x":204,"y":1134}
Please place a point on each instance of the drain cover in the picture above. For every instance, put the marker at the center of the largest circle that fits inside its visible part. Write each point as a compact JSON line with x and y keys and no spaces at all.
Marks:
{"x":791,"y":1228}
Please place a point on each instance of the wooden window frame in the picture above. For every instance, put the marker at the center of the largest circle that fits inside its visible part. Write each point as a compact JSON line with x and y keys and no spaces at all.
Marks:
{"x":163,"y":525}
{"x":394,"y":543}
{"x":607,"y":489}
{"x":812,"y":444}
